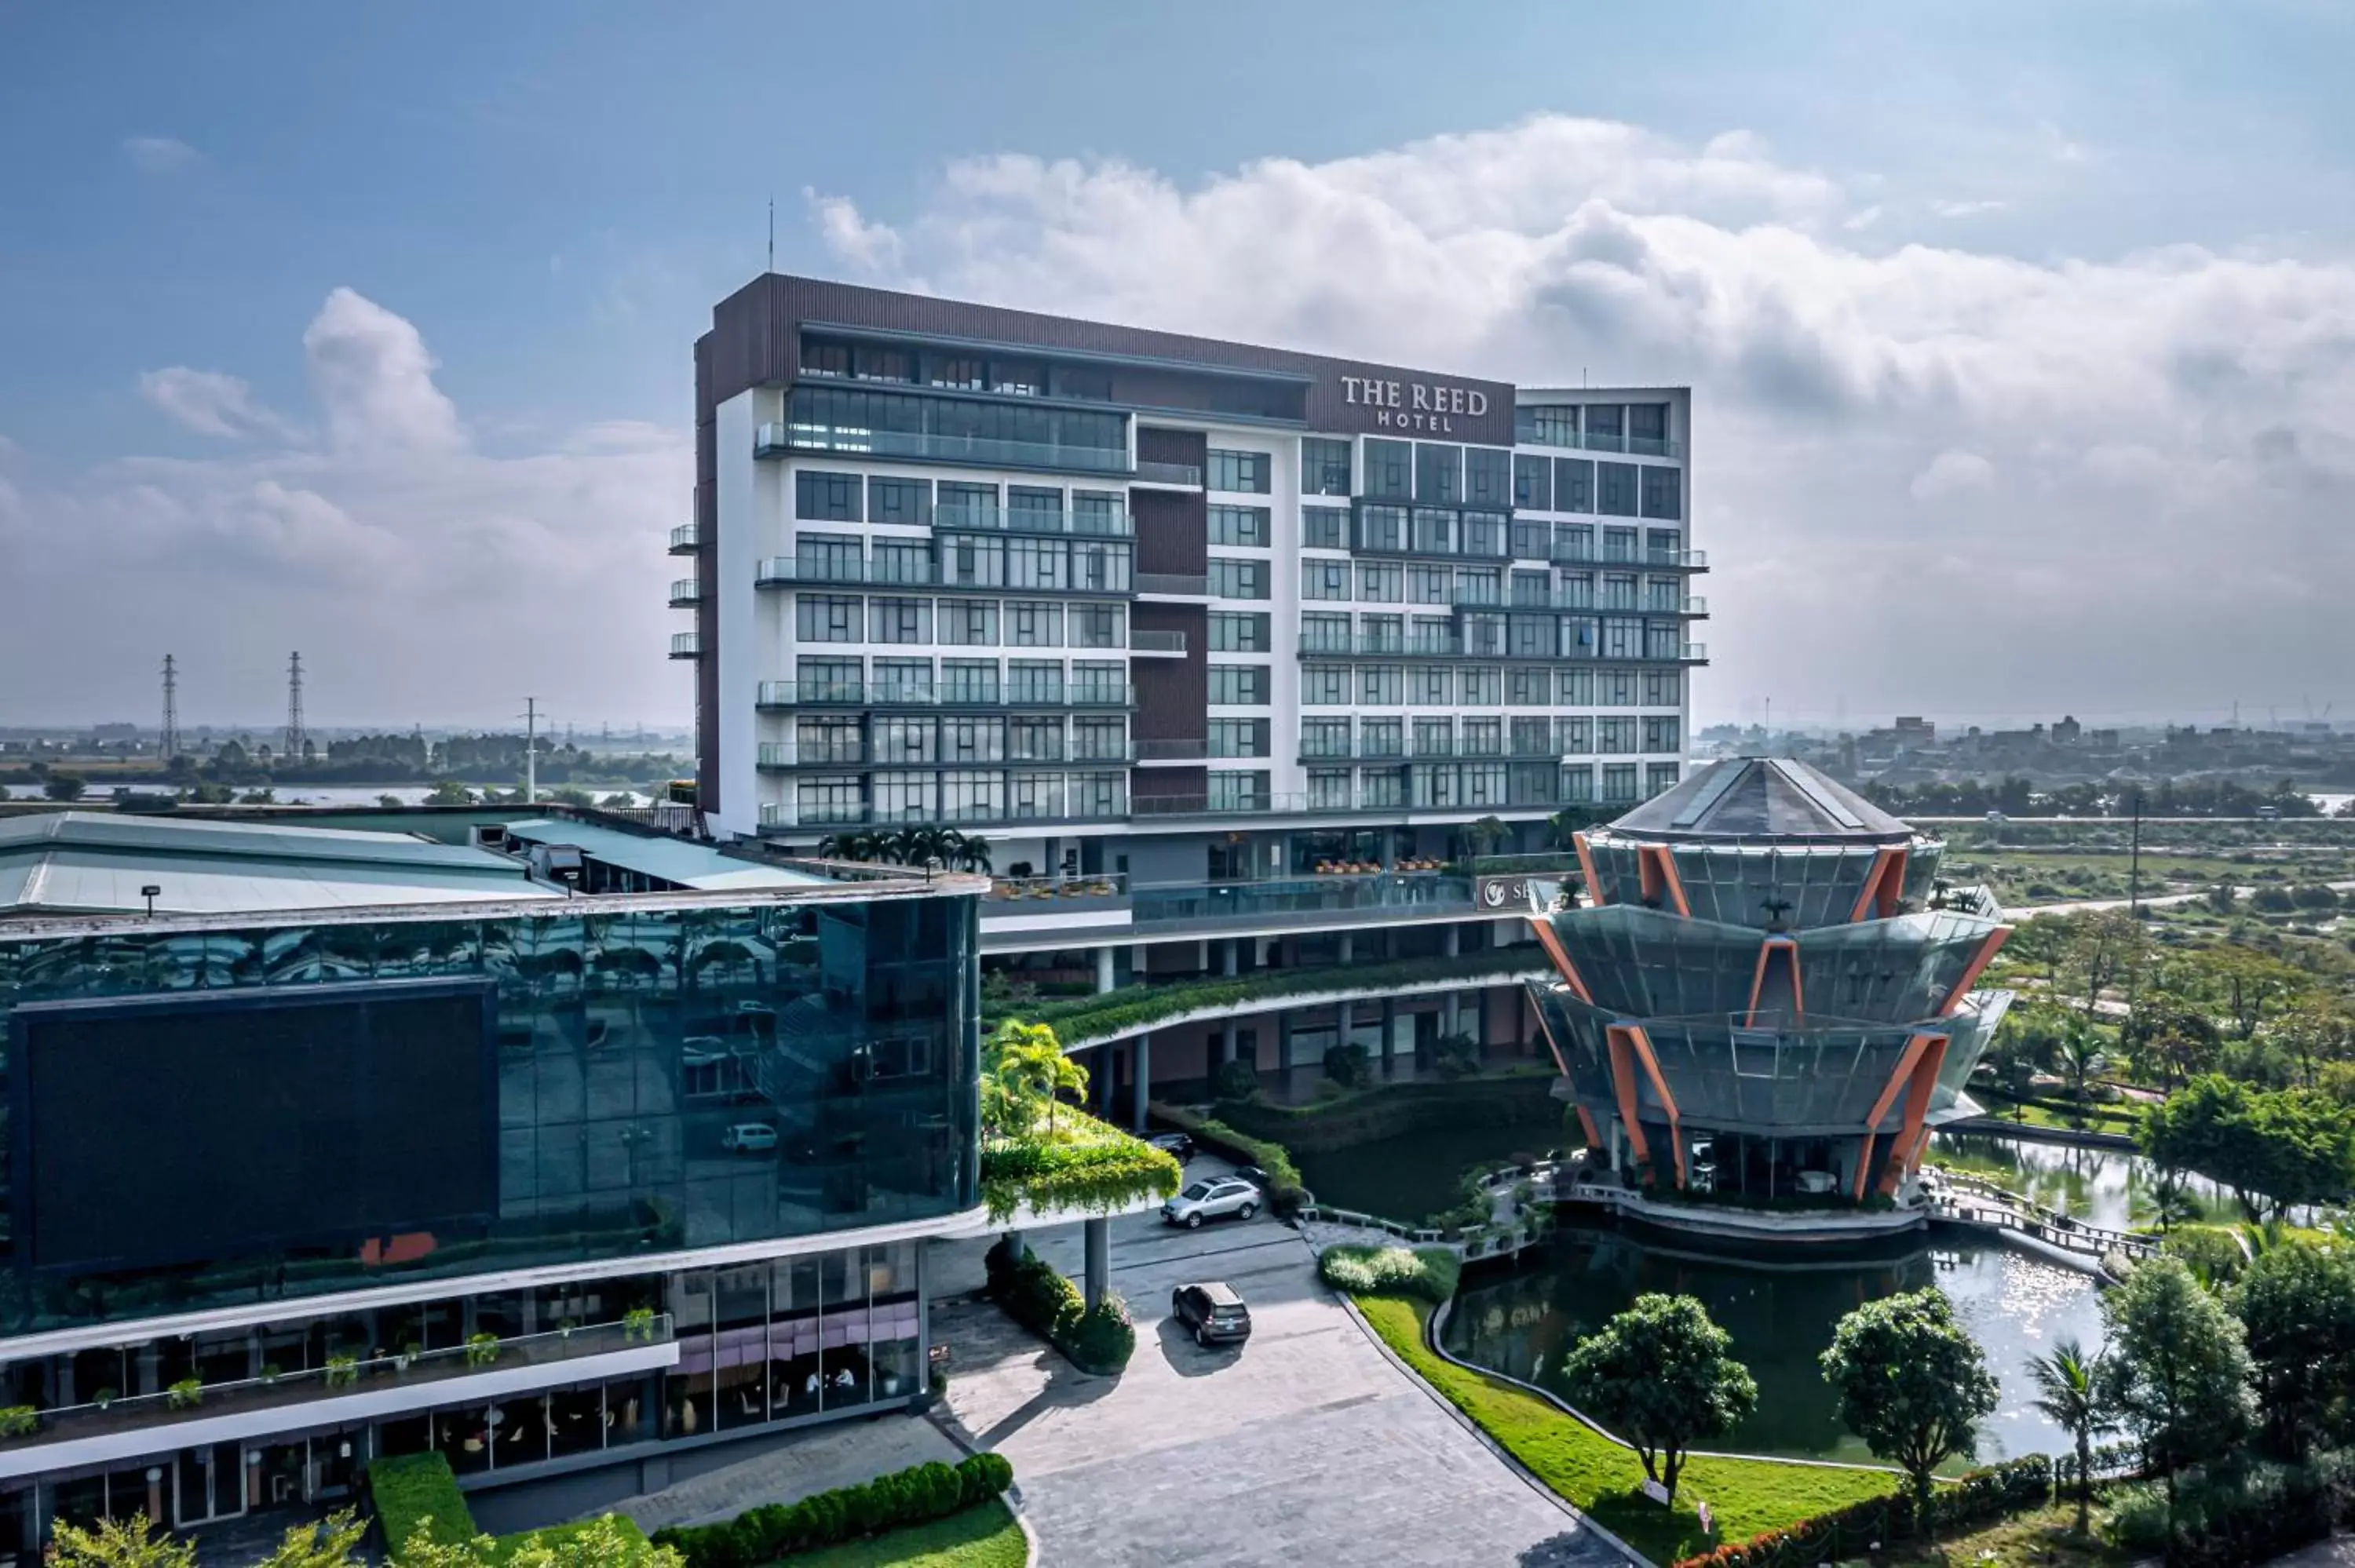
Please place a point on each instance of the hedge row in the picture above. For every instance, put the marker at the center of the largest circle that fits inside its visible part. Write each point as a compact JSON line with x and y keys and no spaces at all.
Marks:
{"x":910,"y":1496}
{"x":1284,"y":1191}
{"x":1429,"y":1273}
{"x":1866,"y":1528}
{"x":414,"y":1491}
{"x":1043,"y":1301}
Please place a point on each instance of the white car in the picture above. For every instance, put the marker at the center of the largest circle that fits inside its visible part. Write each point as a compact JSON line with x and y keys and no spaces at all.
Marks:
{"x":1212,"y":1199}
{"x":748,"y":1137}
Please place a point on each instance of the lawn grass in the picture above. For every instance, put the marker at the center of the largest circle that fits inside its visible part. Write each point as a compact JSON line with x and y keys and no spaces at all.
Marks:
{"x":2046,"y":1538}
{"x":1602,"y":1478}
{"x":981,"y":1536}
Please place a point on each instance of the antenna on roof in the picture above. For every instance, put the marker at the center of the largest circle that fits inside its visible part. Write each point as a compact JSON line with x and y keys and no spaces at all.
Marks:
{"x":170,"y":748}
{"x":772,"y":233}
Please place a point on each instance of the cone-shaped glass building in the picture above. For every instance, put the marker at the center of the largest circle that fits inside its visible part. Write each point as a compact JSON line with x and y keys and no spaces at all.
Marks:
{"x":1769,"y":992}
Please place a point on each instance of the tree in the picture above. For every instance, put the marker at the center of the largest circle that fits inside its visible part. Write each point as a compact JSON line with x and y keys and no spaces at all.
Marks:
{"x":2296,"y":1304}
{"x":450,"y":792}
{"x":1023,"y":1070}
{"x":327,"y":1542}
{"x":2078,"y":1049}
{"x":2103,"y":947}
{"x":64,"y":787}
{"x":119,"y":1543}
{"x":2169,"y":1038}
{"x":2176,"y":1377}
{"x":602,"y":1543}
{"x":1659,"y":1374}
{"x":2272,"y":1148}
{"x":2069,"y":1394}
{"x":1912,"y":1382}
{"x":2316,"y":1031}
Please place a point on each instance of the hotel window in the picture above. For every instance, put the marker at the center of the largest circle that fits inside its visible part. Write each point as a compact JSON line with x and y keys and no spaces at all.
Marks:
{"x":1381,"y":582}
{"x":908,"y":563}
{"x":1533,"y":483}
{"x":1324,"y":685}
{"x":1094,"y":682}
{"x":1483,"y":534}
{"x":1577,"y":734}
{"x":1038,"y":682}
{"x":898,"y":620}
{"x":1484,"y":783}
{"x":1660,"y":734}
{"x":1245,"y":525}
{"x":1614,"y":735}
{"x":1621,"y":638}
{"x":1430,"y":585}
{"x":906,"y":501}
{"x":1532,"y":784}
{"x":969,"y":624}
{"x":1035,"y":740}
{"x":1382,"y":633}
{"x":826,"y":618}
{"x":1021,"y":378}
{"x":1100,"y":794}
{"x":1435,"y":737}
{"x":1663,"y":492}
{"x":1479,"y":585}
{"x":885,"y":365}
{"x":1100,"y":568}
{"x":958,"y":373}
{"x":1097,"y":511}
{"x":1578,"y":636}
{"x":1433,"y":634}
{"x":1239,"y":631}
{"x":1574,"y":542}
{"x":1035,"y":797}
{"x":1239,"y":791}
{"x":1484,"y":634}
{"x":1379,"y":787}
{"x":1238,"y":737}
{"x":1431,"y":688}
{"x":1324,"y":466}
{"x":1528,"y":688}
{"x":831,"y":741}
{"x":1618,"y":782}
{"x":1323,"y":528}
{"x":1530,"y":636}
{"x":1380,"y":685}
{"x":1099,"y":626}
{"x":1381,"y":528}
{"x":828,"y":557}
{"x":1099,"y":740}
{"x":970,"y":795}
{"x":1031,"y":625}
{"x":1233,"y":577}
{"x":1328,"y":789}
{"x":1664,"y":595}
{"x":1577,"y":784}
{"x":1481,"y":686}
{"x":1324,"y":737}
{"x":1662,"y":641}
{"x":1390,"y":470}
{"x":1533,"y":737}
{"x":1381,"y":737}
{"x":1239,"y":685}
{"x":826,"y":497}
{"x":1575,"y":590}
{"x":1487,"y":476}
{"x":1029,"y":506}
{"x":1435,"y":786}
{"x":1553,"y":425}
{"x":1664,"y":688}
{"x":904,"y":740}
{"x":1036,"y":564}
{"x":1324,"y":632}
{"x":1433,"y":531}
{"x":829,"y":799}
{"x":1647,"y":429}
{"x":969,"y":681}
{"x":903,"y":679}
{"x":1531,"y":590}
{"x":1664,"y":544}
{"x":1619,"y":545}
{"x":1602,"y":427}
{"x":906,"y":797}
{"x":1438,"y":471}
{"x":1614,"y":688}
{"x":1618,"y":591}
{"x":1617,"y":494}
{"x":1659,"y":777}
{"x":1532,"y":539}
{"x":1247,"y":471}
{"x":966,"y":506}
{"x":973,"y":740}
{"x":1573,"y":484}
{"x":1577,"y":688}
{"x":970,"y":562}
{"x":824,"y":358}
{"x":1324,"y":579}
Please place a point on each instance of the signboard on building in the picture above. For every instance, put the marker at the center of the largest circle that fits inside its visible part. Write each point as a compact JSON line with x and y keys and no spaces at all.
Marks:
{"x":1515,"y":895}
{"x":1375,"y":402}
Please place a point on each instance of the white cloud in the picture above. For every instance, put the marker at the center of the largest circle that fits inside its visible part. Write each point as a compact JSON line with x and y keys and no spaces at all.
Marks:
{"x":209,"y":403}
{"x":160,"y":154}
{"x":865,"y":246}
{"x":1953,"y":473}
{"x":1965,"y":208}
{"x":374,"y":379}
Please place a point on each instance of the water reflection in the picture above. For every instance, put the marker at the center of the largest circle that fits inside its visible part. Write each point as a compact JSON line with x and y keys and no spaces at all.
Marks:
{"x":2112,"y":1189}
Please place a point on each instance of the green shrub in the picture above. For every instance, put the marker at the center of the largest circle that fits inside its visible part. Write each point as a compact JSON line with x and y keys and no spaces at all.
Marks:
{"x":2232,"y":1514}
{"x":2012,"y":1487}
{"x":19,"y":1420}
{"x":1096,"y":1178}
{"x":1429,"y":1273}
{"x":411,"y":1489}
{"x":1456,"y":1056}
{"x":1102,"y":1340}
{"x":2213,"y":1253}
{"x":1348,"y":1065}
{"x":1052,"y":1307}
{"x":1235,"y":1080}
{"x":1284,"y":1192}
{"x":911,"y":1497}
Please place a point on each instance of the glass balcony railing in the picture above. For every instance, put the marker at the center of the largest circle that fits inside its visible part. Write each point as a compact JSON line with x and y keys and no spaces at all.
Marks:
{"x":959,"y":517}
{"x":363,"y":1377}
{"x":1385,"y":893}
{"x":1054,"y":894}
{"x":685,"y":538}
{"x":1169,"y":474}
{"x":1598,"y":441}
{"x":790,"y":816}
{"x":775,"y":439}
{"x":1172,"y":751}
{"x":684,"y":592}
{"x":1179,"y":584}
{"x":685,"y":645}
{"x":813,"y":694}
{"x":1141,"y":641}
{"x":788,"y":571}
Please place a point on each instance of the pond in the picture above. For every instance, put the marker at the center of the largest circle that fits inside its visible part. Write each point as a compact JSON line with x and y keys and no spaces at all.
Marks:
{"x":1415,"y":1174}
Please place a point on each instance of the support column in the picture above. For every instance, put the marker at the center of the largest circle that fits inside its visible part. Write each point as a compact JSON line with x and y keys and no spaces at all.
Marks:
{"x":1140,"y":1059}
{"x":1104,"y":979}
{"x":1389,"y":1036}
{"x":1226,"y":1042}
{"x":1284,"y":1045}
{"x":1349,"y":949}
{"x":1227,"y":957}
{"x":1096,"y":1273}
{"x":1454,"y":941}
{"x":1107,"y":1073}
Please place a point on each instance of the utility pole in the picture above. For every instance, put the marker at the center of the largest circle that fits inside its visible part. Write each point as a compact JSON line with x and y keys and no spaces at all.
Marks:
{"x":294,"y":733}
{"x":171,"y":744}
{"x":2134,"y":865}
{"x":530,"y":751}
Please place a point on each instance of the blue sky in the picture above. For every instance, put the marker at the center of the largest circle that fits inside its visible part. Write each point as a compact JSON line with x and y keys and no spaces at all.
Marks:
{"x":548,"y":198}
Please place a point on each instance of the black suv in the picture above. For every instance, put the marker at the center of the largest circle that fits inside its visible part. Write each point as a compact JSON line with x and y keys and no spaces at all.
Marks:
{"x":1214,"y":1312}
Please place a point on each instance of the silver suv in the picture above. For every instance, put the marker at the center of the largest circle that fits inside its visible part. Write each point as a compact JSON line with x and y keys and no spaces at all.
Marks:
{"x":1213,"y":1198}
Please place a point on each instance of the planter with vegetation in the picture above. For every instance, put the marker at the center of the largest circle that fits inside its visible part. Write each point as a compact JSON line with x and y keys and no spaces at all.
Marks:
{"x":1284,"y":1192}
{"x":918,"y":1496}
{"x":1043,"y":1301}
{"x":1038,"y":1152}
{"x":185,"y":1394}
{"x":1425,"y":1274}
{"x":19,"y":1420}
{"x":426,"y":1523}
{"x":481,"y":1349}
{"x":1876,"y":1526}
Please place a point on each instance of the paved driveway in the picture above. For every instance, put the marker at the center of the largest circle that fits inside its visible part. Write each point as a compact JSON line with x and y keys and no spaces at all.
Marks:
{"x":1304,"y":1446}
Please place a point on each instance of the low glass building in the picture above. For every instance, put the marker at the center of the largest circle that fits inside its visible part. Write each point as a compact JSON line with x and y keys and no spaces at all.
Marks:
{"x":373,"y":1145}
{"x":1770,"y":993}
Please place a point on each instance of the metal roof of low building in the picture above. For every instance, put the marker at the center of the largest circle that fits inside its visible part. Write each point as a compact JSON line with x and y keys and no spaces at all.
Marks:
{"x":666,"y":859}
{"x":1763,"y":798}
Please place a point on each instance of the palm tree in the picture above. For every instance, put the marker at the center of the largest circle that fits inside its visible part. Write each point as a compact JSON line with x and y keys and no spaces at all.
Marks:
{"x":2080,"y":1053}
{"x":968,"y":852}
{"x":2068,"y":1395}
{"x":856,"y":844}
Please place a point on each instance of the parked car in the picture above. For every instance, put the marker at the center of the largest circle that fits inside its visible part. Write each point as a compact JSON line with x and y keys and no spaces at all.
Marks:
{"x":1250,"y":1173}
{"x":748,"y":1137}
{"x":1177,"y":1143}
{"x":1212,"y":1200}
{"x":1214,"y":1311}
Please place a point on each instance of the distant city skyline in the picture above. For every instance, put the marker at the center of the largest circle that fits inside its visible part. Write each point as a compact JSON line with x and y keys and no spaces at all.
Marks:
{"x":2016,"y":333}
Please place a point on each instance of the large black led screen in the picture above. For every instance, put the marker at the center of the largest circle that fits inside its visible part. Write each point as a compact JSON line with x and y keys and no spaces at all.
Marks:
{"x":182,"y":1130}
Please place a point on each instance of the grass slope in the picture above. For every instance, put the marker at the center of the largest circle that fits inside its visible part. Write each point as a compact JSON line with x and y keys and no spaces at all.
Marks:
{"x":1604,"y":1478}
{"x":982,"y":1537}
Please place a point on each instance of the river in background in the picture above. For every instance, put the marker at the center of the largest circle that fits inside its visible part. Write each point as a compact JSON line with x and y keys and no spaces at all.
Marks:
{"x":406,"y":794}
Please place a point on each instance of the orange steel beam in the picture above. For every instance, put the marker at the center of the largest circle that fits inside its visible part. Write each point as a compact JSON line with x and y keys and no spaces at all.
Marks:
{"x":1917,"y":1109}
{"x":1893,"y":885}
{"x":1623,"y":1087}
{"x":1586,"y":1126}
{"x":1758,"y":977}
{"x":1562,"y":1062}
{"x":1870,"y":897}
{"x":1971,"y":973}
{"x":1906,"y":1062}
{"x":1863,"y":1166}
{"x":1642,"y":1044}
{"x":1560,"y":957}
{"x":1586,"y":864}
{"x":1660,"y":879}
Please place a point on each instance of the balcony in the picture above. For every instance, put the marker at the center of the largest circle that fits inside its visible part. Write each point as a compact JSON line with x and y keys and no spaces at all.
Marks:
{"x":788,"y":571}
{"x":1158,"y":645}
{"x":684,"y":539}
{"x":1568,"y":553}
{"x":1182,"y":473}
{"x":788,"y":817}
{"x":1590,"y":440}
{"x":1173,"y":585}
{"x":1299,"y":899}
{"x":1587,"y":603}
{"x":129,"y":1427}
{"x":686,"y":593}
{"x":1023,"y":520}
{"x":815,"y":693}
{"x":1020,"y":897}
{"x":685,"y":645}
{"x":778,"y":439}
{"x":1150,"y":751}
{"x":786,"y":756}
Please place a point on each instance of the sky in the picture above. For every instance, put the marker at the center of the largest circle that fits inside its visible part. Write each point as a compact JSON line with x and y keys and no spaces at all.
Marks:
{"x":2022,"y":336}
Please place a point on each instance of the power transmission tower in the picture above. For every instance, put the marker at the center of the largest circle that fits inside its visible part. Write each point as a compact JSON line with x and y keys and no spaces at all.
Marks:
{"x":171,"y":747}
{"x":296,"y":735}
{"x":530,"y":751}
